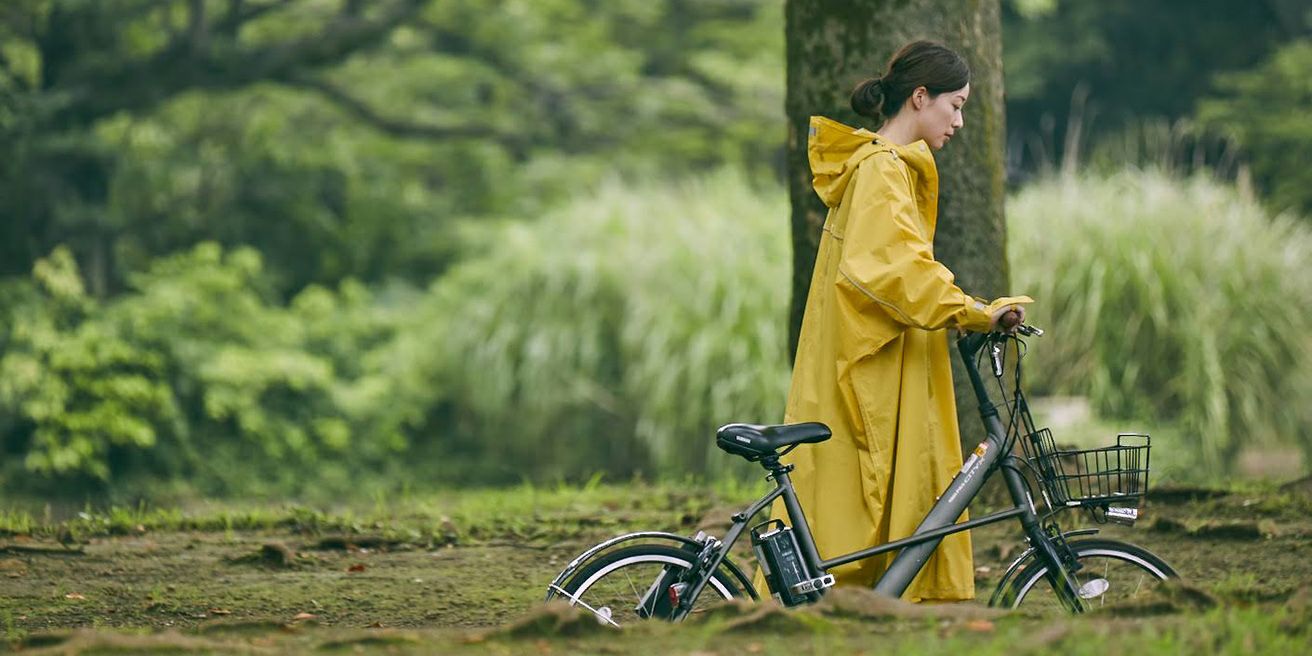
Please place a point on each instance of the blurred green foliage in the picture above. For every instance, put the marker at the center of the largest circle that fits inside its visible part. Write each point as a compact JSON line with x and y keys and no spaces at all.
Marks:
{"x":1171,"y":301}
{"x":74,"y":382}
{"x":1139,"y":59}
{"x":344,"y":139}
{"x":1184,"y":85}
{"x":196,"y":373}
{"x":618,"y":331}
{"x":614,"y":334}
{"x":1263,"y":110}
{"x":258,"y":246}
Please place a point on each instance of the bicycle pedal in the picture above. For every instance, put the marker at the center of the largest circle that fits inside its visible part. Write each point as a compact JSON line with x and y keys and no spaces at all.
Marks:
{"x":814,"y":585}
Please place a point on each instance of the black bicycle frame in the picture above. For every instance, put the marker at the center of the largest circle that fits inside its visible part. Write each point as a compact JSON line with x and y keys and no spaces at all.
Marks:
{"x":941,"y":520}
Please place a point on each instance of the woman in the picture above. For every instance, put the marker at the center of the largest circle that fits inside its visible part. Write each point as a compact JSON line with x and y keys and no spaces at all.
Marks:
{"x":872,"y":359}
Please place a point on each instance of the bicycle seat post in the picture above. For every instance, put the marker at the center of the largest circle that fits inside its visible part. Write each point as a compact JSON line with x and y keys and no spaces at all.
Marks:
{"x":779,"y":472}
{"x":774,"y":467}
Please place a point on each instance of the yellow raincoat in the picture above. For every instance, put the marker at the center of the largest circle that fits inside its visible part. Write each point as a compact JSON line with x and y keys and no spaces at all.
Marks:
{"x":873,"y":361}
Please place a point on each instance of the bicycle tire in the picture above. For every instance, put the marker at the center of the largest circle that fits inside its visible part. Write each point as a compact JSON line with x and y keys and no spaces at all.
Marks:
{"x":598,"y":586}
{"x":1137,"y":571}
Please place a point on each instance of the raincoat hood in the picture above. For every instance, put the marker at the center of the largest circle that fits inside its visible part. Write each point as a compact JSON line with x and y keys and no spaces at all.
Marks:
{"x":836,"y":150}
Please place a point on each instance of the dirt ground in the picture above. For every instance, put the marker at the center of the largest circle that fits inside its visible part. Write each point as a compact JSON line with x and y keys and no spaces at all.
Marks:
{"x":289,"y":589}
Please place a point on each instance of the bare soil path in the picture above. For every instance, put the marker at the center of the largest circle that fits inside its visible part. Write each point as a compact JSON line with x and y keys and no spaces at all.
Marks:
{"x":366,"y":588}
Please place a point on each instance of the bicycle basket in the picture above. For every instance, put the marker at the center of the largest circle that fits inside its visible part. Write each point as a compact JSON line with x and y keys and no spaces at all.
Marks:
{"x":1090,"y":477}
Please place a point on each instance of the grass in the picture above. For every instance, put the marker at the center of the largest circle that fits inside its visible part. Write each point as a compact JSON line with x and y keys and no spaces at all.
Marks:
{"x":435,"y":517}
{"x":621,"y":328}
{"x":175,"y":581}
{"x":1228,"y":631}
{"x":1170,"y":302}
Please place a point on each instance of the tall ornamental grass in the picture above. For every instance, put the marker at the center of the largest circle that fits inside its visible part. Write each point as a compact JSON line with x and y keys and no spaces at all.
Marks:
{"x":617,"y":332}
{"x":1171,"y":301}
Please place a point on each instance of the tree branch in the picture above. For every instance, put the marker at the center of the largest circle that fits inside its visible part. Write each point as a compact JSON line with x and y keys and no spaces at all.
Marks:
{"x":401,"y":128}
{"x":239,"y":13}
{"x":100,"y":88}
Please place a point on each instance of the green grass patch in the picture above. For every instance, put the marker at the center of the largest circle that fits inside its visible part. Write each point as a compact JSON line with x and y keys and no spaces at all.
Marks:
{"x":524,"y":511}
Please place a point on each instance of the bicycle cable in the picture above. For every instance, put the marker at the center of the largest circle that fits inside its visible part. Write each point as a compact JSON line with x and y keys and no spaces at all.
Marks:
{"x":1018,"y":415}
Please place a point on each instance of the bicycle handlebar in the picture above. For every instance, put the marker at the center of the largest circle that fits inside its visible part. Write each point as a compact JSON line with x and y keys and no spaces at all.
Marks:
{"x":971,"y":343}
{"x":1029,"y":331}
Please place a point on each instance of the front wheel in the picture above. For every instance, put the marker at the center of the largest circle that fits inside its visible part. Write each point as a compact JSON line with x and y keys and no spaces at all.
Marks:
{"x":1111,"y":572}
{"x":632,"y":584}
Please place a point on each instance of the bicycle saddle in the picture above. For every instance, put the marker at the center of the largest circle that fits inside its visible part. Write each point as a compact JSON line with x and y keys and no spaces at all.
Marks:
{"x":755,"y":442}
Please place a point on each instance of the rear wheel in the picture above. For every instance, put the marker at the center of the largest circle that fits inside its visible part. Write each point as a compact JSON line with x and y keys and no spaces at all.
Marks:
{"x":1111,"y":572}
{"x":632,"y":584}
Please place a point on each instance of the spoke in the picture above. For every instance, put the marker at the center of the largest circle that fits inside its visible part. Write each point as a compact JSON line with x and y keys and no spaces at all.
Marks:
{"x":637,"y":596}
{"x":1102,"y":603}
{"x":575,"y":600}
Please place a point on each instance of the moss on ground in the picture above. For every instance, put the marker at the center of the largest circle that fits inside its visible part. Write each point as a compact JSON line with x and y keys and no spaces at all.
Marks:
{"x":467,"y":575}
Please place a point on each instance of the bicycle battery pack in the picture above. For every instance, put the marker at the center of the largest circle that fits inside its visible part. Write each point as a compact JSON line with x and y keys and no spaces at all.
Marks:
{"x":781,"y":562}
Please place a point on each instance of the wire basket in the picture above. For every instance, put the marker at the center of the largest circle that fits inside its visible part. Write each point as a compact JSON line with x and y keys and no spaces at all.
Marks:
{"x":1090,"y":477}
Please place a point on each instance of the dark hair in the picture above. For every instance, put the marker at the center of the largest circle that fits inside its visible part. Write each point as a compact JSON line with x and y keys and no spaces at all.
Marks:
{"x":917,"y":64}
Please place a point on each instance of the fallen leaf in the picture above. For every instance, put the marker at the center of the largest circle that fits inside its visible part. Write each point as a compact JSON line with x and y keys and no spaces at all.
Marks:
{"x":76,"y":596}
{"x":220,"y":611}
{"x":304,"y":616}
{"x":358,"y":567}
{"x":980,"y":626}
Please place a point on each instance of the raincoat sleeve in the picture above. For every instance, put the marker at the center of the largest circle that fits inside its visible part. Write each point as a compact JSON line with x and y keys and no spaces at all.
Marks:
{"x":888,"y":260}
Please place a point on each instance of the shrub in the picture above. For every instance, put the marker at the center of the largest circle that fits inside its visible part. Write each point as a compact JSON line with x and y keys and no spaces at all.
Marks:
{"x":196,"y":374}
{"x":74,"y":392}
{"x":1170,"y":300}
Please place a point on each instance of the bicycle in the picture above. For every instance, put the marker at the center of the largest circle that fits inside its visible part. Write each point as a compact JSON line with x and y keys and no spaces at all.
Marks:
{"x":672,"y":571}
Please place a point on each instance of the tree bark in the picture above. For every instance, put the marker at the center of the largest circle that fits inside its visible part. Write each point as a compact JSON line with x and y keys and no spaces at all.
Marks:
{"x":832,"y":45}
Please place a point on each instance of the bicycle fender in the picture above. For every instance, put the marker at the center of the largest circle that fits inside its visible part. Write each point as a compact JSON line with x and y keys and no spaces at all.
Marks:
{"x":1024,"y":558}
{"x":680,"y":540}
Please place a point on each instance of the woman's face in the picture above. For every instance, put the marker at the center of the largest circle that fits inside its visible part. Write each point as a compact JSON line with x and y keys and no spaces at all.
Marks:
{"x":939,"y":117}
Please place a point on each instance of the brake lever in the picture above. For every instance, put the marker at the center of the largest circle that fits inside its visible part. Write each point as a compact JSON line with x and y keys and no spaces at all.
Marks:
{"x":1029,"y":331}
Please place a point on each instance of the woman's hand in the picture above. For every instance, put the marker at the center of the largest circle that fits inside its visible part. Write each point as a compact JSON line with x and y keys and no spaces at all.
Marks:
{"x":1007,"y":318}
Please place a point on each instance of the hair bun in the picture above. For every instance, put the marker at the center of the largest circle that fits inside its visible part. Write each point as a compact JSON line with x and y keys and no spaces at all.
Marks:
{"x":868,"y":98}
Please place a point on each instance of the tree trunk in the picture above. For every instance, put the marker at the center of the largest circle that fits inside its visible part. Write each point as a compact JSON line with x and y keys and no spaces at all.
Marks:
{"x":833,"y":44}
